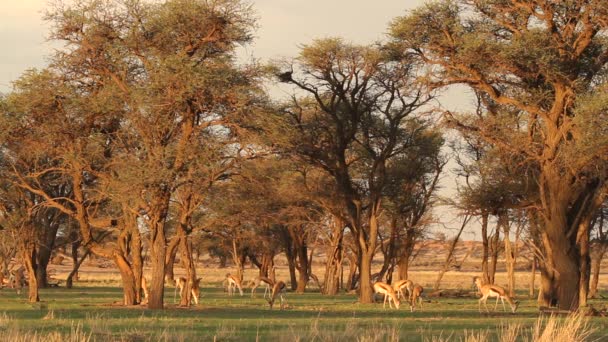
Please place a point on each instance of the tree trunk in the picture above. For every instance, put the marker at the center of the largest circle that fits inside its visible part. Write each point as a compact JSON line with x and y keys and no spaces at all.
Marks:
{"x":302,"y":265}
{"x":342,"y":272}
{"x":532,"y":278}
{"x":302,"y":281}
{"x":595,"y":269}
{"x":546,"y":292}
{"x":170,"y":259}
{"x":69,"y":282}
{"x":188,"y":264}
{"x":333,"y":265}
{"x":404,"y":265}
{"x":311,"y":254}
{"x":566,"y":215}
{"x":120,"y":255}
{"x":75,"y":244}
{"x":128,"y":280}
{"x":291,"y":264}
{"x":157,"y":261}
{"x":449,"y":256}
{"x":46,"y":243}
{"x":598,"y":252}
{"x":390,"y":271}
{"x":267,"y":264}
{"x":352,"y":272}
{"x":407,"y":253}
{"x":495,"y":249}
{"x":485,"y":271}
{"x":367,"y":248}
{"x":584,"y":232}
{"x":29,"y":260}
{"x":509,"y":253}
{"x":238,"y":260}
{"x":389,"y":253}
{"x":366,"y":294}
{"x":566,"y":263}
{"x":272,"y":273}
{"x":302,"y":268}
{"x":41,"y":273}
{"x":291,"y":256}
{"x":136,"y":247}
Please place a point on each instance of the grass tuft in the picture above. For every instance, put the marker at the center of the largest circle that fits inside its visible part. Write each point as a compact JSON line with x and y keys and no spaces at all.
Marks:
{"x":575,"y":327}
{"x":15,"y":334}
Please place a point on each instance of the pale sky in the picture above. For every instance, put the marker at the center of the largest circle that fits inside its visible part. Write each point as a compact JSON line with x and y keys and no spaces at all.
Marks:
{"x":283,"y":26}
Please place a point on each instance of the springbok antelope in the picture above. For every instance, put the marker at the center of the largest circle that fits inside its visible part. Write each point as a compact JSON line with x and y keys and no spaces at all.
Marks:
{"x":232,"y":283}
{"x":388,"y":292}
{"x":180,"y":283}
{"x":416,"y":297}
{"x":489,"y":290}
{"x":277,"y":290}
{"x":401,"y":285}
{"x":261,"y":281}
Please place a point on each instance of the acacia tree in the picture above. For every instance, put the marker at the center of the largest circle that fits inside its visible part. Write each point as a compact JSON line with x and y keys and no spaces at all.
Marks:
{"x":57,"y":137}
{"x":492,"y":188}
{"x":39,"y":230}
{"x":413,"y":179}
{"x":477,"y":198}
{"x":539,"y":67}
{"x":236,"y":215}
{"x":168,"y":67}
{"x":256,"y":209}
{"x":43,"y":146}
{"x":317,"y":205}
{"x":211,"y":163}
{"x":352,"y":124}
{"x":301,"y":219}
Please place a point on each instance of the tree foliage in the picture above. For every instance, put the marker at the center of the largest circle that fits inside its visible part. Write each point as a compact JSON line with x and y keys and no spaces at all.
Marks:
{"x":534,"y":65}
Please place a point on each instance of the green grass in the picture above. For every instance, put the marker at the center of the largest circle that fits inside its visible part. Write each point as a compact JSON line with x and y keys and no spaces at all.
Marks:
{"x":309,"y":316}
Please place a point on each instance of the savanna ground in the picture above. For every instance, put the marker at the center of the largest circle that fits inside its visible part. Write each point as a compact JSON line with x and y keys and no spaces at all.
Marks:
{"x":90,"y":312}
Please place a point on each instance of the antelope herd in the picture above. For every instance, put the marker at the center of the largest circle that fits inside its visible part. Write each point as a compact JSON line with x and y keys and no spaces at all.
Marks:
{"x":394,"y":293}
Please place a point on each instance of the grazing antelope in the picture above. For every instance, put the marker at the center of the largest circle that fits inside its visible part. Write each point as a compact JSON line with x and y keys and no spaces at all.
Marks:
{"x":261,"y":281}
{"x":277,"y":290}
{"x":489,"y":290}
{"x":180,"y":283}
{"x":232,"y":283}
{"x":401,"y":285}
{"x":388,"y":292}
{"x":416,"y":296}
